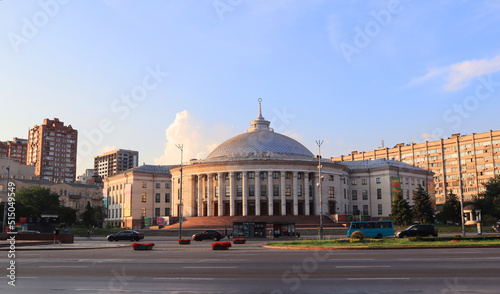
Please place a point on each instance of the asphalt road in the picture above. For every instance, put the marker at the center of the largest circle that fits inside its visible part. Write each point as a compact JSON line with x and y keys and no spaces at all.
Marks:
{"x":249,"y":268}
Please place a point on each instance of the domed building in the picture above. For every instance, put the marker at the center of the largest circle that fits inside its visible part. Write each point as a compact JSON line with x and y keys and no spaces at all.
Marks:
{"x":260,"y":173}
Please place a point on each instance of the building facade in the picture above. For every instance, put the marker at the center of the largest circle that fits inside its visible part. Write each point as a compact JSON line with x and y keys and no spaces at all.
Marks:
{"x":262,"y":173}
{"x":71,"y":195}
{"x":461,"y":164}
{"x":113,"y":162}
{"x":52,"y":150}
{"x":16,"y":149}
{"x":138,"y":195}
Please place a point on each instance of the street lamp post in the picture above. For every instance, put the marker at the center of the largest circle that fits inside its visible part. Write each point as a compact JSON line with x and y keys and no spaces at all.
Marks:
{"x":461,"y":187}
{"x":320,"y":142}
{"x":181,"y":147}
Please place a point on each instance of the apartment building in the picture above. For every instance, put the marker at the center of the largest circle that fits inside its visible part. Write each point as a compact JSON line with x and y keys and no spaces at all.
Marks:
{"x":52,"y":150}
{"x":461,"y":164}
{"x":16,"y":149}
{"x":116,"y":161}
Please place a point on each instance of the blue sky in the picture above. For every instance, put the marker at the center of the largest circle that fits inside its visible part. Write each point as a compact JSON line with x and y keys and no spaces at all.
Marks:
{"x":146,"y":75}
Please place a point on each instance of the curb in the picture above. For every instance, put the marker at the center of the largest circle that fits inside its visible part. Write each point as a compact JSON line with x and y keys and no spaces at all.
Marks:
{"x":379,"y":248}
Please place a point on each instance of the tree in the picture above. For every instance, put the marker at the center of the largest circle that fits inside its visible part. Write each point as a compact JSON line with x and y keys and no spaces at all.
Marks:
{"x":401,"y":211}
{"x":35,"y":200}
{"x":67,"y":215}
{"x":451,"y":210}
{"x":422,"y":207}
{"x":489,"y":201}
{"x":88,"y":216}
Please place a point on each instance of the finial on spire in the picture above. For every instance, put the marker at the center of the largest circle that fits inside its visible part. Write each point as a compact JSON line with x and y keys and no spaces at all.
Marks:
{"x":260,"y":110}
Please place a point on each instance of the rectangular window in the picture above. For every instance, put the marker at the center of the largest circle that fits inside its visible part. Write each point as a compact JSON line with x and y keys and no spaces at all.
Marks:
{"x":331,"y":192}
{"x":288,"y":190}
{"x":143,"y":197}
{"x":144,"y":185}
{"x":365,"y":209}
{"x":288,"y":175}
{"x":157,"y":212}
{"x":299,"y":190}
{"x":330,"y":178}
{"x":157,"y":197}
{"x":353,"y":182}
{"x":216,"y":192}
{"x":276,"y":190}
{"x":167,"y":197}
{"x":379,"y":209}
{"x":363,"y":182}
{"x":310,"y":190}
{"x":157,"y":185}
{"x":379,"y":180}
{"x":251,"y":190}
{"x":226,"y":176}
{"x":365,"y":194}
{"x":379,"y":193}
{"x":263,"y":190}
{"x":238,"y":176}
{"x":167,"y":185}
{"x":276,"y":175}
{"x":263,"y":175}
{"x":143,"y":211}
{"x":355,"y":210}
{"x":239,"y":191}
{"x":299,"y":176}
{"x":345,"y":193}
{"x":251,"y":175}
{"x":354,"y":194}
{"x":167,"y":211}
{"x":228,"y":191}
{"x":407,"y":194}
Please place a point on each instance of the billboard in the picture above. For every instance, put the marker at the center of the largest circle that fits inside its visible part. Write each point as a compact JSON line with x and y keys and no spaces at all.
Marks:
{"x":395,"y":186}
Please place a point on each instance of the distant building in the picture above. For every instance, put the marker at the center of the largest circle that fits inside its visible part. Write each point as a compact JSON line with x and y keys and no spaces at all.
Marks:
{"x":137,"y":195}
{"x":87,"y":175}
{"x":461,"y":164}
{"x":52,"y":150}
{"x":17,"y":171}
{"x":116,"y":161}
{"x":16,"y":149}
{"x":71,"y":195}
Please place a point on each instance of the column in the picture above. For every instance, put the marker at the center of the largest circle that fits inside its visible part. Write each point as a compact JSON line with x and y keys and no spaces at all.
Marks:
{"x":282,"y":192}
{"x":200,"y":198}
{"x":231,"y":194}
{"x":294,"y":194}
{"x":257,"y":192}
{"x":244,"y":191}
{"x":270,"y":192}
{"x":222,"y":193}
{"x":210,"y":211}
{"x":307,"y":208}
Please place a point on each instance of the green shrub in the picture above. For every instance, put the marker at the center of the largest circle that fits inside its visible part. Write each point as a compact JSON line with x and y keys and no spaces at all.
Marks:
{"x":355,"y":240}
{"x":357,"y":235}
{"x":457,"y":236}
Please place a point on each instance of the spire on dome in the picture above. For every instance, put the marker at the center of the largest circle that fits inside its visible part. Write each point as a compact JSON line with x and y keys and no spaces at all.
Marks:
{"x":260,"y":123}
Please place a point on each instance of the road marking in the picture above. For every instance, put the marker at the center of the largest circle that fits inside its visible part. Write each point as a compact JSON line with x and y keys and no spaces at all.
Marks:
{"x":179,"y":278}
{"x":361,"y":266}
{"x":361,"y":279}
{"x":209,"y":267}
{"x":63,"y":266}
{"x":352,"y":259}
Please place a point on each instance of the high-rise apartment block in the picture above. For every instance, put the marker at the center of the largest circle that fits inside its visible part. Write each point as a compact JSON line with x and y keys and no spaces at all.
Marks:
{"x":113,"y":162}
{"x":52,"y":149}
{"x":461,"y":164}
{"x":16,"y":149}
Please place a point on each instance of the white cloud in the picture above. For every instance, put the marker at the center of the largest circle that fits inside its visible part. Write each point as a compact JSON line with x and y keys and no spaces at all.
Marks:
{"x":459,"y":75}
{"x":106,"y":148}
{"x":197,"y":138}
{"x":429,"y":137}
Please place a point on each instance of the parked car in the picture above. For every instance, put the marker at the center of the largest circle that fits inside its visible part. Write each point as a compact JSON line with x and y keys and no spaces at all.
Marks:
{"x":28,"y":232}
{"x":125,"y":235}
{"x":210,"y":234}
{"x":418,"y":230}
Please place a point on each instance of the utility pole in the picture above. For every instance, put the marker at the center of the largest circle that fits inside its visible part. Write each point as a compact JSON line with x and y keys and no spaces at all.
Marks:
{"x":181,"y":147}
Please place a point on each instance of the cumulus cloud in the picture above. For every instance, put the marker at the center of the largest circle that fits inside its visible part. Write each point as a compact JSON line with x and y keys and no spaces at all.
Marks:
{"x":197,"y":138}
{"x":429,"y":137}
{"x":459,"y":75}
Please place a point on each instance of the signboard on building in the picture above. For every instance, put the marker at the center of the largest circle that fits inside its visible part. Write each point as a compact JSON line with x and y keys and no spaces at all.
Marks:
{"x":395,"y":186}
{"x":148,"y":221}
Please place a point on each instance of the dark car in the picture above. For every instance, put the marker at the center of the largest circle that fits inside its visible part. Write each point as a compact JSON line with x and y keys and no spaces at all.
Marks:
{"x":210,"y":234}
{"x":418,"y":230}
{"x":125,"y":235}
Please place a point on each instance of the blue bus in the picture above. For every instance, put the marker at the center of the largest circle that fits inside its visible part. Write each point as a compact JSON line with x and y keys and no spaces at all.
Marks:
{"x":373,"y":229}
